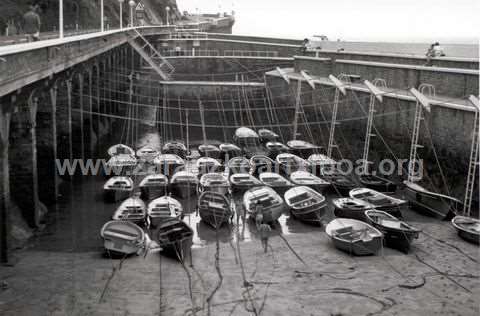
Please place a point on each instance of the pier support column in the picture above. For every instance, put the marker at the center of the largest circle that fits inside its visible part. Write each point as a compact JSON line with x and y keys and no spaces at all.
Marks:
{"x":64,"y":122}
{"x":78,"y":148}
{"x":4,"y":184}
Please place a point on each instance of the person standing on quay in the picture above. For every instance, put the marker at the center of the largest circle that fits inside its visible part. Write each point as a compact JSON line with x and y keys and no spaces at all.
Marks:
{"x":32,"y":23}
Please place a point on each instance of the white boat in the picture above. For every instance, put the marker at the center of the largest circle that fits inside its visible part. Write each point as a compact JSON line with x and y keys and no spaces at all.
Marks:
{"x":175,"y":148}
{"x":351,"y":208}
{"x":290,"y":163}
{"x":122,"y":237}
{"x":208,"y":165}
{"x":267,"y":135}
{"x":238,"y":165}
{"x":241,"y":182}
{"x":120,"y":149}
{"x":168,"y":164}
{"x":306,"y":204}
{"x":468,"y":228}
{"x":147,"y":154}
{"x":354,"y":237}
{"x":380,"y":201}
{"x":118,"y":188}
{"x":153,"y":186}
{"x":133,"y":210}
{"x":249,"y":142}
{"x":163,"y":208}
{"x":208,"y":150}
{"x":184,"y":184}
{"x":275,"y":149}
{"x":430,"y":203}
{"x":228,"y":151}
{"x":307,"y":179}
{"x":121,"y":165}
{"x":276,"y":182}
{"x":214,"y":209}
{"x":302,"y":148}
{"x":214,"y":182}
{"x":261,"y":164}
{"x":321,"y":162}
{"x":265,"y":200}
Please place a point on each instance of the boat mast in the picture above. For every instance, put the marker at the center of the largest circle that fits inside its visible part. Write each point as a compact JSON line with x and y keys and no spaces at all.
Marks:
{"x":297,"y":109}
{"x":422,"y":103}
{"x":339,"y":88}
{"x":376,"y":94}
{"x":474,"y":159}
{"x":187,"y":131}
{"x":202,"y":118}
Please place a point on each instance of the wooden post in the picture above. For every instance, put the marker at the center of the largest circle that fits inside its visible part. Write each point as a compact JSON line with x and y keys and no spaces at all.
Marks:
{"x":4,"y":218}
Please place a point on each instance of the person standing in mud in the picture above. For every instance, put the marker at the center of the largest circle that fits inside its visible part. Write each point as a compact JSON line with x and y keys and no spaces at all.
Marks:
{"x":32,"y":23}
{"x":263,"y":229}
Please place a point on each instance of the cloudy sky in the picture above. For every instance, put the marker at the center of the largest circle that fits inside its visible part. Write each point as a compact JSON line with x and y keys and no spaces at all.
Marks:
{"x":394,"y":20}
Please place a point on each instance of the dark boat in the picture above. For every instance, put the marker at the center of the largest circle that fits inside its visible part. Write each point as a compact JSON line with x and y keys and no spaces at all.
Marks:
{"x":267,"y":135}
{"x":241,"y":182}
{"x":154,"y":186}
{"x":249,"y":142}
{"x":208,"y":165}
{"x":306,"y":204}
{"x":162,"y":209}
{"x":378,"y":184}
{"x":169,"y":164}
{"x":276,"y":182}
{"x":174,"y":237}
{"x":122,"y":238}
{"x":214,"y":182}
{"x":397,"y":234}
{"x":340,"y":183}
{"x":214,"y":209}
{"x":260,"y":164}
{"x":350,"y":208}
{"x":290,"y":163}
{"x":468,"y":228}
{"x":175,"y":148}
{"x":275,"y":149}
{"x":118,"y":189}
{"x":120,"y":149}
{"x":302,"y":148}
{"x":184,"y":184}
{"x":354,"y":237}
{"x":380,"y":201}
{"x":238,"y":165}
{"x":430,"y":203}
{"x":228,"y":151}
{"x":211,"y":151}
{"x":265,"y":200}
{"x":305,"y":178}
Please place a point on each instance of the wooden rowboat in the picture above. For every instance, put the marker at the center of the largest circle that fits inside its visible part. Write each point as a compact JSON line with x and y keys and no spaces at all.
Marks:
{"x":306,"y":204}
{"x":122,"y":238}
{"x":468,"y":228}
{"x":214,"y":209}
{"x":118,"y":189}
{"x":264,"y":200}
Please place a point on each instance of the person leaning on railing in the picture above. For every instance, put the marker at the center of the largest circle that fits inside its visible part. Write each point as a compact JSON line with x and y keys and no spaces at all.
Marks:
{"x":32,"y":23}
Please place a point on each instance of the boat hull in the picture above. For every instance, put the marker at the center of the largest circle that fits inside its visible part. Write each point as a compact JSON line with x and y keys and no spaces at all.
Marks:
{"x":151,"y":192}
{"x":430,"y":204}
{"x":378,"y":184}
{"x":175,"y":238}
{"x":112,"y":195}
{"x":184,"y":190}
{"x":122,"y":238}
{"x":470,"y":236}
{"x":359,"y":248}
{"x":310,"y":215}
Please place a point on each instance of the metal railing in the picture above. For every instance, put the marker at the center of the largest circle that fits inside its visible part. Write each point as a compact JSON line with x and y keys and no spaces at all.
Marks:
{"x":250,"y":53}
{"x":188,"y":35}
{"x":194,"y":52}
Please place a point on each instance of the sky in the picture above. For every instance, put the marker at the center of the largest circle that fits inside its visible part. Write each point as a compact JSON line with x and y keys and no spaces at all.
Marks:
{"x":454,"y":21}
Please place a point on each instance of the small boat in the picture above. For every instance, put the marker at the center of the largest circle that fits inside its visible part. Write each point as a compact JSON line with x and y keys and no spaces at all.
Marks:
{"x":228,"y":151}
{"x":265,"y":200}
{"x":118,"y":189}
{"x":249,"y":142}
{"x":290,"y":163}
{"x":378,"y":184}
{"x":321,"y":162}
{"x":175,"y":148}
{"x":122,"y":238}
{"x":302,"y":148}
{"x":163,"y":208}
{"x":184,"y":184}
{"x":275,"y":149}
{"x":305,"y":178}
{"x":214,"y":182}
{"x":397,"y":234}
{"x":354,"y":237}
{"x":169,"y":164}
{"x":133,"y":210}
{"x":121,"y":165}
{"x":211,"y":151}
{"x":174,"y":237}
{"x":153,"y":186}
{"x":430,"y":203}
{"x":340,"y":183}
{"x":351,"y":208}
{"x":208,"y":165}
{"x":267,"y":135}
{"x":120,"y":149}
{"x":380,"y":201}
{"x":147,"y":154}
{"x":276,"y":182}
{"x":241,"y":182}
{"x":214,"y":209}
{"x":468,"y":228}
{"x":260,"y":164}
{"x":238,"y":165}
{"x":306,"y":204}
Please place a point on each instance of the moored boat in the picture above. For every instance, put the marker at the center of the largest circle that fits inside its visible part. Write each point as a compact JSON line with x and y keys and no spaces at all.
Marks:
{"x":430,"y":203}
{"x":168,"y":164}
{"x":121,"y":165}
{"x":241,"y":182}
{"x":468,"y":228}
{"x":265,"y":200}
{"x":122,"y":238}
{"x":302,"y":148}
{"x":351,"y":208}
{"x":306,"y":204}
{"x":133,"y":210}
{"x":340,"y":183}
{"x":249,"y":142}
{"x":162,"y":209}
{"x":397,"y":234}
{"x":304,"y":178}
{"x":275,"y":149}
{"x":153,"y":186}
{"x":380,"y":201}
{"x":238,"y":165}
{"x":290,"y":163}
{"x":261,"y":164}
{"x":208,"y":150}
{"x":228,"y":151}
{"x":147,"y":154}
{"x":214,"y":182}
{"x":120,"y":149}
{"x":267,"y":135}
{"x":276,"y":182}
{"x":208,"y":165}
{"x":378,"y":183}
{"x":354,"y":237}
{"x":175,"y":148}
{"x":174,"y":237}
{"x":214,"y":209}
{"x":184,"y":184}
{"x":320,"y":163}
{"x":118,"y":188}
